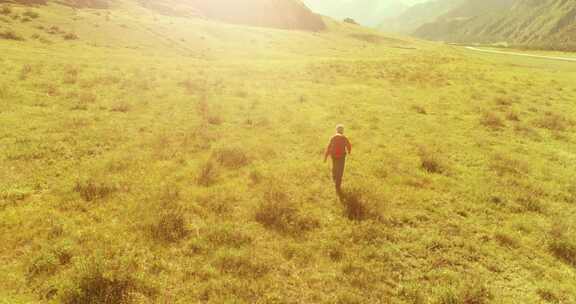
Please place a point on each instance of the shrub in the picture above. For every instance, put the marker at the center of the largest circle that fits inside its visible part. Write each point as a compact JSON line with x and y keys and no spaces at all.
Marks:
{"x":214,"y":119}
{"x":207,"y":174}
{"x":563,"y":244}
{"x":531,"y":204}
{"x":4,"y":91}
{"x":431,"y":161}
{"x":419,"y":109}
{"x":111,"y":280}
{"x":554,"y":122}
{"x":506,"y":240}
{"x":473,"y":293}
{"x":279,"y":213}
{"x":231,"y":157}
{"x":358,"y":207}
{"x":170,"y":226}
{"x":504,"y":165}
{"x":350,"y":21}
{"x":91,"y":190}
{"x":492,"y":121}
{"x":228,"y":236}
{"x":121,"y":107}
{"x":11,"y":35}
{"x":70,"y":36}
{"x":31,"y":14}
{"x":549,"y":295}
{"x":412,"y":294}
{"x":240,"y":265}
{"x":47,"y":262}
{"x":513,"y":116}
{"x":5,"y":10}
{"x":26,"y":71}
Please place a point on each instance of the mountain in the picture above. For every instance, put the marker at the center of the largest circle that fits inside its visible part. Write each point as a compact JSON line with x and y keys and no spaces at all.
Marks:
{"x":418,"y":15}
{"x":541,"y":24}
{"x":366,"y":12}
{"x":283,"y":14}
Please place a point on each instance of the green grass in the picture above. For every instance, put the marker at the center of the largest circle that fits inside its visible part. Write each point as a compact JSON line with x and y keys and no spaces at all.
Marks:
{"x":181,"y":162}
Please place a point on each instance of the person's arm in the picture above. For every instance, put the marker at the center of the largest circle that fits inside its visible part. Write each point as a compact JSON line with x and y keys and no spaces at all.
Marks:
{"x":348,"y":146}
{"x":328,"y":150}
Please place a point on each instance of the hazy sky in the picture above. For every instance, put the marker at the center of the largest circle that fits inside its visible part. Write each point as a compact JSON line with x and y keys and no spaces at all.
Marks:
{"x":367,"y":12}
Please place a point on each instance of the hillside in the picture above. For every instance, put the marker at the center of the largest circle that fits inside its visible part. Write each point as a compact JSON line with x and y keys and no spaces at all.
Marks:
{"x":418,"y":15}
{"x":543,"y":24}
{"x":283,"y":14}
{"x":366,"y":12}
{"x":152,"y":158}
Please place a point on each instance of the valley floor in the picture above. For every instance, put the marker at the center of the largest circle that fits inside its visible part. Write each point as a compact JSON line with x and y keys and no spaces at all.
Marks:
{"x":168,"y":160}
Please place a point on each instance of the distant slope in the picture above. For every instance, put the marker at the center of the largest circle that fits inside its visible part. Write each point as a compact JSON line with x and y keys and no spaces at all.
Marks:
{"x":284,"y":14}
{"x":542,"y":24}
{"x":418,"y":15}
{"x":366,"y":12}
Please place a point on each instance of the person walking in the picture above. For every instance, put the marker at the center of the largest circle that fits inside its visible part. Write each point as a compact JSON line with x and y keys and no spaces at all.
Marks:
{"x":338,"y":148}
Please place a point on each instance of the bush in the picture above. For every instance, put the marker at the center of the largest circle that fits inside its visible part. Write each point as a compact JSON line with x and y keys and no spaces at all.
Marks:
{"x":531,"y":204}
{"x":240,"y":265}
{"x":110,"y":280}
{"x":207,"y":174}
{"x":228,"y":236}
{"x":121,"y":107}
{"x":549,"y":295}
{"x":350,"y":21}
{"x":359,"y":207}
{"x":563,"y":244}
{"x":419,"y":109}
{"x":31,"y":14}
{"x":5,"y":10}
{"x":11,"y":35}
{"x":279,"y":213}
{"x":431,"y":161}
{"x":504,"y":165}
{"x":231,"y":157}
{"x":513,"y":116}
{"x":554,"y":122}
{"x":492,"y":121}
{"x":48,"y":262}
{"x":91,"y":190}
{"x":70,"y":36}
{"x":4,"y":91}
{"x":473,"y":293}
{"x":506,"y":240}
{"x":170,"y":226}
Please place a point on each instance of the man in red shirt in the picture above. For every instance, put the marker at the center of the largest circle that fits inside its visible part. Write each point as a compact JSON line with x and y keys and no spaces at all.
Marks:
{"x":338,"y":148}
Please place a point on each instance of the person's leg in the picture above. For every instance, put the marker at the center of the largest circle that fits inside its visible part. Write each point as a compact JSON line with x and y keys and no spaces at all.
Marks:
{"x":339,"y":172}
{"x":334,"y":169}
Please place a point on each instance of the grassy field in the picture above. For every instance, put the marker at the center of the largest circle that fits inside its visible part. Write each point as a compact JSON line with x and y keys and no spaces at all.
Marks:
{"x":150,"y":159}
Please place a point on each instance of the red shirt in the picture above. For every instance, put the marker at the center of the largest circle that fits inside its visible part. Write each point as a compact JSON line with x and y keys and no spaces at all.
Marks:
{"x":339,"y":146}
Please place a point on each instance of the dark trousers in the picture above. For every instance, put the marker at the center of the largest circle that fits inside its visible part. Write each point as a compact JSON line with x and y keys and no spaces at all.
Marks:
{"x":338,"y":171}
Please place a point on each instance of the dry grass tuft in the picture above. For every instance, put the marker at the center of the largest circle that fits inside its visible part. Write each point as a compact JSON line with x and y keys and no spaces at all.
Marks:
{"x":431,"y":160}
{"x":554,"y":122}
{"x":563,"y":244}
{"x":207,"y":174}
{"x":359,"y":206}
{"x":492,"y":121}
{"x":504,"y":165}
{"x":233,"y":157}
{"x":92,"y":190}
{"x":278,"y":212}
{"x":170,"y":226}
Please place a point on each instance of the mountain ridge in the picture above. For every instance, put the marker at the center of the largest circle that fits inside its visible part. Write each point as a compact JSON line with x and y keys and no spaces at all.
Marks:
{"x":548,"y":24}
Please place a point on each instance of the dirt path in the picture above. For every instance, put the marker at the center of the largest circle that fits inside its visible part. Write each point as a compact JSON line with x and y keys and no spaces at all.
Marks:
{"x":521,"y":54}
